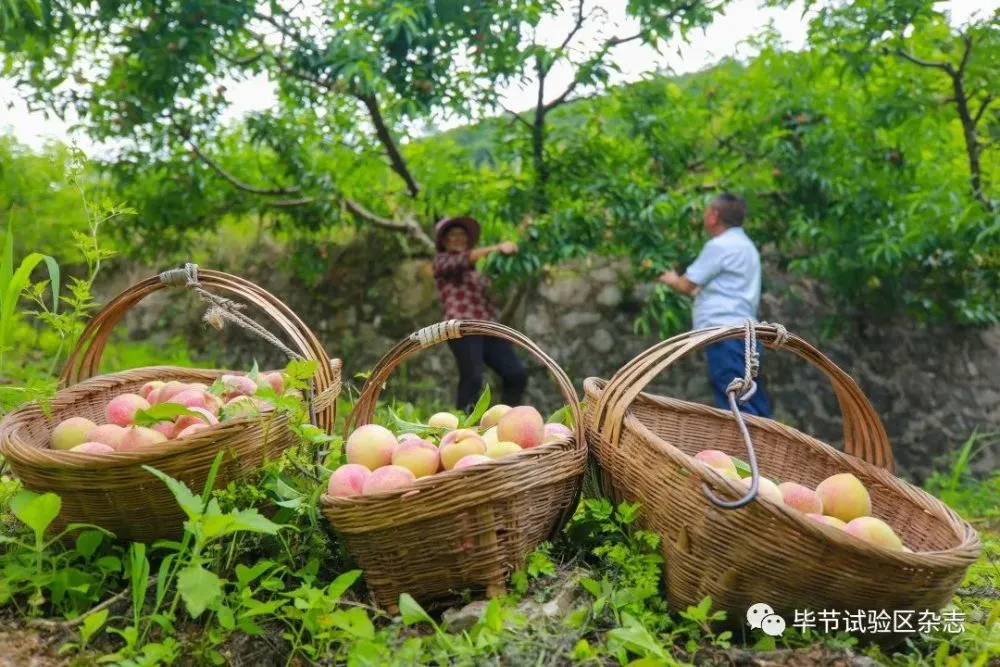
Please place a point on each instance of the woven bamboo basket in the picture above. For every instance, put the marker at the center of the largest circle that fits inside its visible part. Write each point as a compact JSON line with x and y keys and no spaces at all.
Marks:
{"x":112,"y":490}
{"x":754,"y":550}
{"x":459,"y":529}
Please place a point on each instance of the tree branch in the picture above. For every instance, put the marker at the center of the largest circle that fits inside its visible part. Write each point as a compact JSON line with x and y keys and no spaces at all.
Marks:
{"x":515,"y":115}
{"x":925,"y":63}
{"x":965,"y":54}
{"x":239,"y":62}
{"x":385,"y":136}
{"x":603,"y":51}
{"x":982,"y":109}
{"x":408,"y":225}
{"x":236,"y":182}
{"x":576,"y":26}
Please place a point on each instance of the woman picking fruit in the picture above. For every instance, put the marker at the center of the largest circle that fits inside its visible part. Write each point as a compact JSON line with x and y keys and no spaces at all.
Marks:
{"x":462,"y":293}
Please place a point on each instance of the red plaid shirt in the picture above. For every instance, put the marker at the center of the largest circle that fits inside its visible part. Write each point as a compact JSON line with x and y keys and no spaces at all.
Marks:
{"x":462,"y":289}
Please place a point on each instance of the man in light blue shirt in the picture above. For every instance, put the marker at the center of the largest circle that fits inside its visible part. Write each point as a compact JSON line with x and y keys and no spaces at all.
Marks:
{"x":725,"y":283}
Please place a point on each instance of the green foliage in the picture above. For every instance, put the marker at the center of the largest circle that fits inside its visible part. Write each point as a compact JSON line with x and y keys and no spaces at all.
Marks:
{"x":62,"y":581}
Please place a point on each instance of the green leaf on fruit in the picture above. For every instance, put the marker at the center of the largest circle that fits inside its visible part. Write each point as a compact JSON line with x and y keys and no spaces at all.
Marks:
{"x":562,"y":416}
{"x":482,"y":405}
{"x":164,"y":412}
{"x":198,"y":588}
{"x":404,"y":426}
{"x":741,"y":467}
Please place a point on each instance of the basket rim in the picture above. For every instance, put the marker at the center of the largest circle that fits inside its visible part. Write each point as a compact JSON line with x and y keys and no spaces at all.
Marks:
{"x":533,"y":456}
{"x":968,"y":545}
{"x":213,"y":438}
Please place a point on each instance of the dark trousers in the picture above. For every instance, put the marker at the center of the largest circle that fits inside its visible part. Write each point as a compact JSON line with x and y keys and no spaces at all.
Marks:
{"x":727,"y":360}
{"x":473,"y":353}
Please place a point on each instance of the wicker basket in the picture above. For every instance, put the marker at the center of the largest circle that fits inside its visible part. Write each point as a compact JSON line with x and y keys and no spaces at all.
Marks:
{"x":761,"y":552}
{"x":459,"y":529}
{"x":113,"y":490}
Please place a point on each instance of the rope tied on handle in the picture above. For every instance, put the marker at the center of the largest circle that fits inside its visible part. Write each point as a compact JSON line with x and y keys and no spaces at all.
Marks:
{"x":745,"y":387}
{"x":221,"y":309}
{"x":437,"y":333}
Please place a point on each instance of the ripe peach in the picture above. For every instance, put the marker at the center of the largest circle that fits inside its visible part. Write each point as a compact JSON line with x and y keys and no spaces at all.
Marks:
{"x":387,"y":478}
{"x":801,"y":498}
{"x":108,"y":434}
{"x":554,"y":432}
{"x":166,"y":392}
{"x":150,"y":387}
{"x":213,"y":403}
{"x":844,"y":496}
{"x":347,"y":480}
{"x":452,"y":452}
{"x":184,"y":421}
{"x":191,"y":430}
{"x":418,"y":456}
{"x":455,"y":436}
{"x":493,"y":415}
{"x":728,"y":473}
{"x":443,"y":420}
{"x":237,"y":385}
{"x":490,"y":437}
{"x":765,"y":488}
{"x":192,"y":398}
{"x":523,"y":425}
{"x":277,"y":382}
{"x":498,"y":450}
{"x":169,"y":429}
{"x":371,"y":445}
{"x":93,"y":448}
{"x":139,"y":437}
{"x":122,"y":409}
{"x":71,"y":432}
{"x":875,"y":531}
{"x":472,"y":460}
{"x":717,"y":459}
{"x":829,"y":520}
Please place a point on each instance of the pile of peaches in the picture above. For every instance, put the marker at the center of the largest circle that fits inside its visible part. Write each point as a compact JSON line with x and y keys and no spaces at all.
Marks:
{"x":379,"y":461}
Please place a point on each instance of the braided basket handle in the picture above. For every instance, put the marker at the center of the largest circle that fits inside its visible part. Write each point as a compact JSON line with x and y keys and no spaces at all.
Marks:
{"x":85,"y":359}
{"x":364,"y":408}
{"x":864,"y":434}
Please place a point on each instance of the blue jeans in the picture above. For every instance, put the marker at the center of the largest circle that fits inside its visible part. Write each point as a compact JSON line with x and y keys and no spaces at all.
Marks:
{"x":726,"y":360}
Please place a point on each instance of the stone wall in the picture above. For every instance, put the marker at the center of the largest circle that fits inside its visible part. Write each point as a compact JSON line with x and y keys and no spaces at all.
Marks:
{"x":932,"y":388}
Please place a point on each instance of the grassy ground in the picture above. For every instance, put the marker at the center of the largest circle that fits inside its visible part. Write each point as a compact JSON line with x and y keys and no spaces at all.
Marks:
{"x":245,"y":590}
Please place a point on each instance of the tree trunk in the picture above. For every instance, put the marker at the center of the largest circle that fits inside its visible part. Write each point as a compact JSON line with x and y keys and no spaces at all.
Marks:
{"x":538,"y":155}
{"x":971,"y":139}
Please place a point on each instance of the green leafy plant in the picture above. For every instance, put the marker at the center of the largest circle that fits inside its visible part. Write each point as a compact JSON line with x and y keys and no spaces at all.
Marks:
{"x":64,"y":581}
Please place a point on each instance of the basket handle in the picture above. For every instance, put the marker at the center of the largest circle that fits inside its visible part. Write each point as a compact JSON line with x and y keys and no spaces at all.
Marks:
{"x":364,"y":407}
{"x":85,"y":359}
{"x":864,"y":434}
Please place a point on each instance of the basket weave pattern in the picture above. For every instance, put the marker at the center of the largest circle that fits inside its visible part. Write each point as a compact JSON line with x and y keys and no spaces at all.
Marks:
{"x":112,"y":490}
{"x":763,"y":552}
{"x":465,"y":528}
